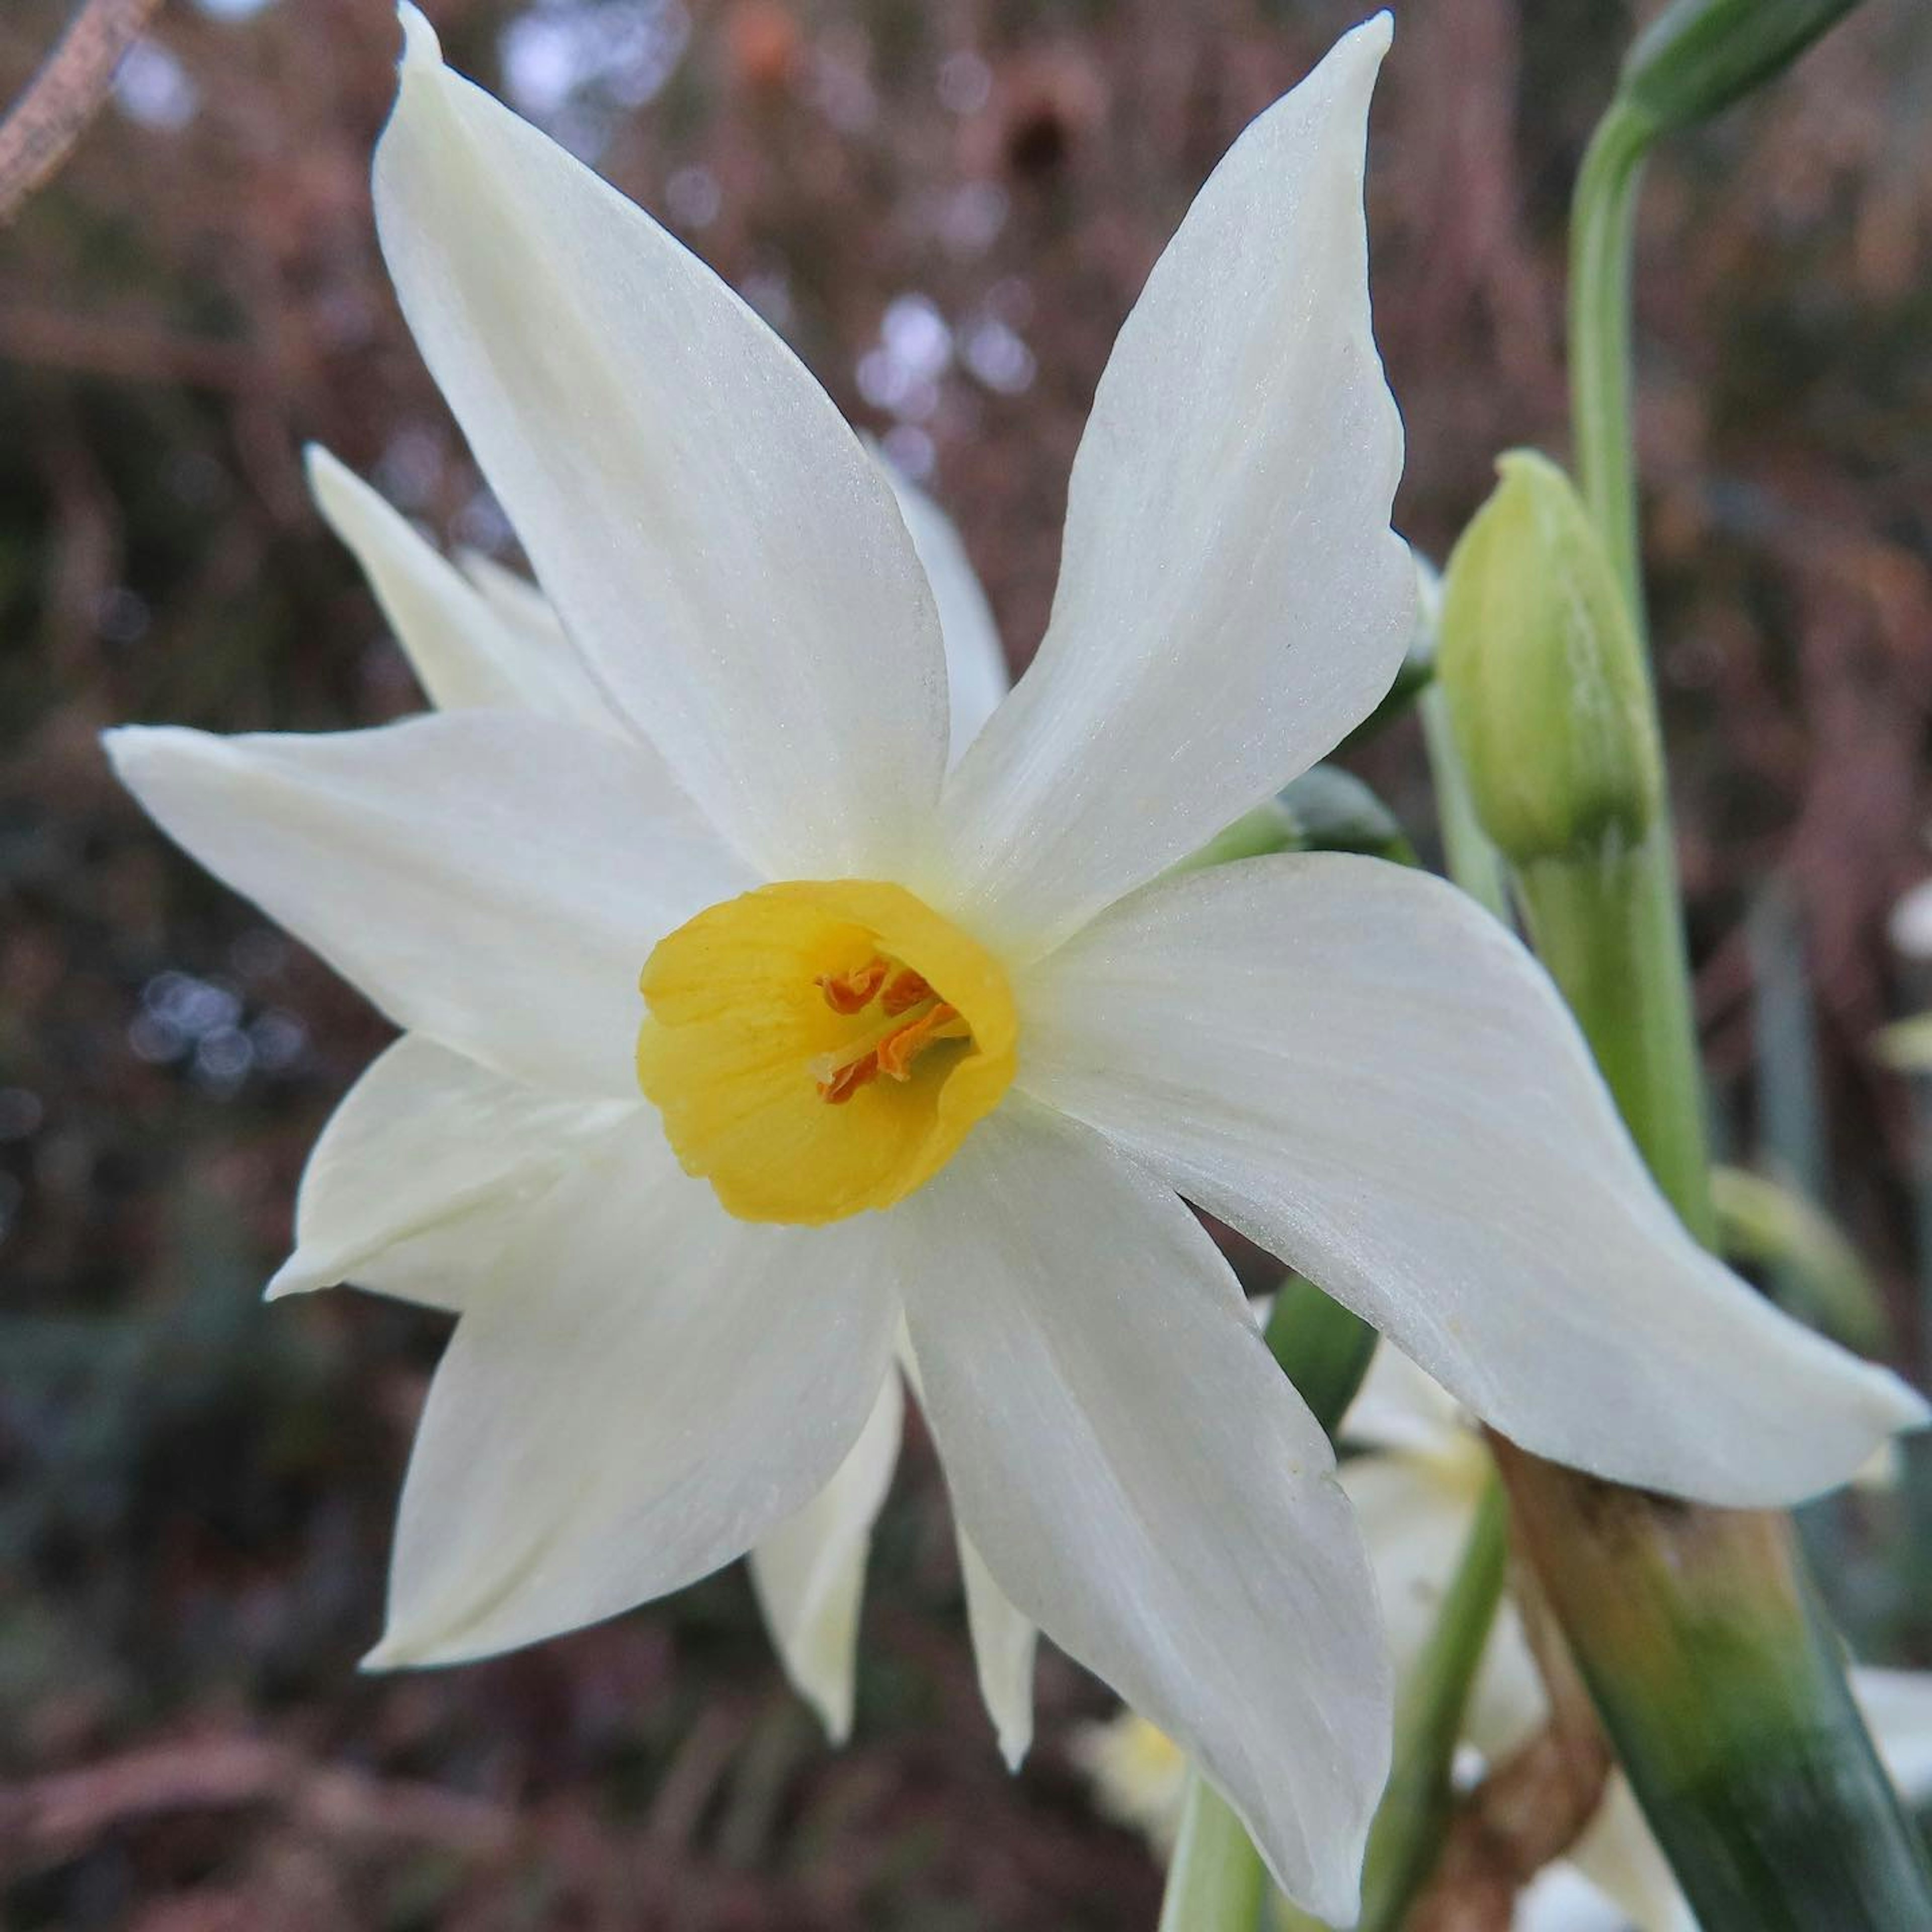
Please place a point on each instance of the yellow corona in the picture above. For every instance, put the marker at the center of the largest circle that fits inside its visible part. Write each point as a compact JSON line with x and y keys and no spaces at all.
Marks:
{"x":818,"y":1048}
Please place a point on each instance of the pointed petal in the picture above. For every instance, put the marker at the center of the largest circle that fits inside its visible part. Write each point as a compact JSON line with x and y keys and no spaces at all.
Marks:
{"x":976,"y":677}
{"x":1004,"y":1644}
{"x":722,"y":549}
{"x":463,"y":652}
{"x":809,"y":1573}
{"x":493,"y":880}
{"x":519,"y":605}
{"x":423,"y":1170}
{"x":1359,"y":1068}
{"x":1231,"y":600}
{"x":1144,"y":1483}
{"x":645,"y":1389}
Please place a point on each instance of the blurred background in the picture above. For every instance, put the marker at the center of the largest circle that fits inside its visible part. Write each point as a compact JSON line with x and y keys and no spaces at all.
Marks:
{"x":947,"y":208}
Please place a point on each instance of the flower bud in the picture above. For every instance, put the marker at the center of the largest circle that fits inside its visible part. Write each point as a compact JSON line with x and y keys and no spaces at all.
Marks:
{"x":1544,"y":676}
{"x":1698,"y":56}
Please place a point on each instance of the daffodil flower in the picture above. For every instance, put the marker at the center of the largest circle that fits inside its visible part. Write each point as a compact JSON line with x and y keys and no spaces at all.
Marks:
{"x":945,"y":1051}
{"x":481,"y":636}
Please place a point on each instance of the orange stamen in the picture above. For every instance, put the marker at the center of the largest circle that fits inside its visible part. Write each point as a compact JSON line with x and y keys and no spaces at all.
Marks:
{"x":896,"y":1052}
{"x":904,"y":990}
{"x":852,"y":992}
{"x":843,"y":1082}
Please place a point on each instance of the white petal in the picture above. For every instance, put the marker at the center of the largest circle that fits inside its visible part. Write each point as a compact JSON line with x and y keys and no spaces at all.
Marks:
{"x":1004,"y":1644}
{"x":1231,"y":600}
{"x":462,"y":652}
{"x":1144,"y":1483}
{"x":519,"y":606}
{"x":809,"y":1573}
{"x":976,"y":677}
{"x":495,"y":881}
{"x":720,"y":546}
{"x":646,"y":1389}
{"x":1560,"y":1899}
{"x":1357,"y":1066}
{"x":1399,"y":1407}
{"x":1897,"y":1705}
{"x":1416,"y":1513}
{"x":424,"y":1169}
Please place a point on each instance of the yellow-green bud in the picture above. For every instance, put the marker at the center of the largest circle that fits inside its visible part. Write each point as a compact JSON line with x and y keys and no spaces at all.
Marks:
{"x":1698,"y":56}
{"x":1544,"y":676}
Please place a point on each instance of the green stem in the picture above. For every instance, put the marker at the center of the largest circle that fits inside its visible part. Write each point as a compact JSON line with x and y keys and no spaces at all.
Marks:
{"x":1323,"y":1348}
{"x":1216,"y":1881}
{"x":1609,"y":929}
{"x":1407,"y":1835}
{"x":1602,"y":225}
{"x":1719,"y":1682}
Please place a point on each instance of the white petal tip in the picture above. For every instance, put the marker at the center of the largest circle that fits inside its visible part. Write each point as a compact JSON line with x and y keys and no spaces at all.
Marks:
{"x":288,"y":1279}
{"x":131,"y":748}
{"x":326,"y":473}
{"x":386,"y":1656}
{"x":421,"y":47}
{"x":1900,"y":1405}
{"x":1013,"y":1751}
{"x":1372,"y":36}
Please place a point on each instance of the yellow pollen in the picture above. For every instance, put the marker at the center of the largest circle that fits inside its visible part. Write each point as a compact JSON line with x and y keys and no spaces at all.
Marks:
{"x":819,"y":1048}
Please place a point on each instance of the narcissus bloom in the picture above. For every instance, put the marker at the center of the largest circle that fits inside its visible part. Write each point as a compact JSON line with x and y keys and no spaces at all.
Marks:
{"x":482,"y":636}
{"x":940,"y":1053}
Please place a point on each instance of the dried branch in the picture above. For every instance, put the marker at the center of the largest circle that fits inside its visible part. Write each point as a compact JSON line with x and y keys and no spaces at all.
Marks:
{"x":1531,"y":1807}
{"x":43,"y":125}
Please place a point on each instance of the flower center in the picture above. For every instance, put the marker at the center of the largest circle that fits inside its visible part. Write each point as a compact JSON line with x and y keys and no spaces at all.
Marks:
{"x":819,"y":1048}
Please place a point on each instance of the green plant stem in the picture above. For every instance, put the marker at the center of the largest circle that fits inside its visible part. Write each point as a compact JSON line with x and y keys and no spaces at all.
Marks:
{"x":1723,"y":1690}
{"x":1719,"y":1681}
{"x":1409,"y":1822}
{"x":1602,"y":225}
{"x":1216,"y":1881}
{"x":1608,"y":927}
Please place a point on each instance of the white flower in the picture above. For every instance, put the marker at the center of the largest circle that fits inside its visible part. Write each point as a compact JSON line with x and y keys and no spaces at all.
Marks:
{"x":653,"y":1371}
{"x":483,"y":636}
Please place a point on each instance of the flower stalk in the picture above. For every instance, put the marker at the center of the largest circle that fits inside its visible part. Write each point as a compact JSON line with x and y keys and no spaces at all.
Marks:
{"x":1717,"y":1677}
{"x":1407,"y":1835}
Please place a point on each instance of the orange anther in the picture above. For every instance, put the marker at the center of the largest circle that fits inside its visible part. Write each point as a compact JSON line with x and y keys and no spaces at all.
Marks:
{"x":903,"y":989}
{"x":852,"y":992}
{"x":843,"y":1082}
{"x":896,"y":1052}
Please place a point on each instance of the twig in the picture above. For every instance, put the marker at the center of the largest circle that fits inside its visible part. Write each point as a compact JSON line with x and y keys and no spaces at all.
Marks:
{"x":1531,"y":1808}
{"x":43,"y":125}
{"x":49,"y":1818}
